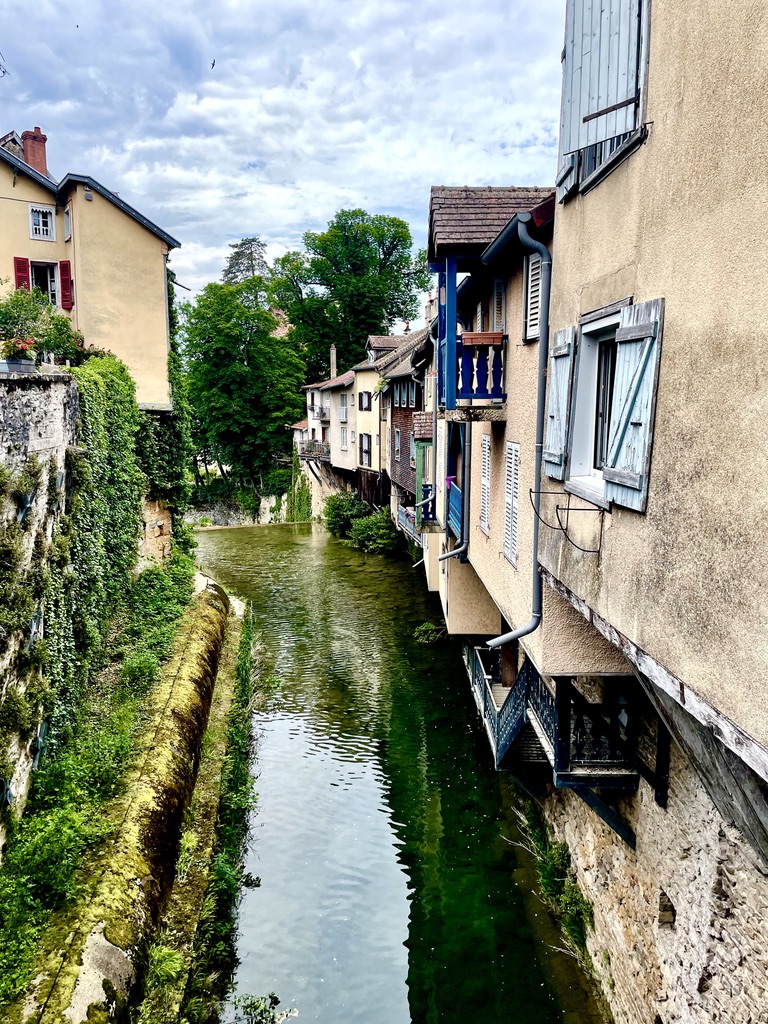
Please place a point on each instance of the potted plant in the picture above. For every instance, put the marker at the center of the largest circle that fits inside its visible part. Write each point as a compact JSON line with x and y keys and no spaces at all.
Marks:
{"x":18,"y":355}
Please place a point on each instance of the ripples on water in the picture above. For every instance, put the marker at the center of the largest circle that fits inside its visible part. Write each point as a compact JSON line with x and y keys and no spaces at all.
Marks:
{"x":389,"y":893}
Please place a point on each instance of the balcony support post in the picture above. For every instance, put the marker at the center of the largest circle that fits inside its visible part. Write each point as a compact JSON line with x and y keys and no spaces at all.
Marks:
{"x":451,"y":356}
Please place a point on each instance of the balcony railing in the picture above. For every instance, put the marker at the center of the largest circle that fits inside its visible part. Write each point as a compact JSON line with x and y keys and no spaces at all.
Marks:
{"x":480,"y":368}
{"x":425,"y":512}
{"x":455,"y":511}
{"x":343,"y":413}
{"x":324,"y":412}
{"x":315,"y":450}
{"x":588,"y":744}
{"x":406,"y":521}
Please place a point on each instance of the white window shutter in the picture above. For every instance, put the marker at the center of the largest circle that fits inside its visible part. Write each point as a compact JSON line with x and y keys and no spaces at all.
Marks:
{"x":532,"y":296}
{"x":511,"y":500}
{"x":485,"y":483}
{"x":559,"y":379}
{"x":498,"y":305}
{"x":634,"y":404}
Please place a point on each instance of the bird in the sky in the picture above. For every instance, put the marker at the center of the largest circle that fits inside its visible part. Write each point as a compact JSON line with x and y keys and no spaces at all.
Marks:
{"x":213,"y":64}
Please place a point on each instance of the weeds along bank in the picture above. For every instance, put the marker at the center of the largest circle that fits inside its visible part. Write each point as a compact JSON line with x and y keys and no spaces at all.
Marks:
{"x":107,"y":679}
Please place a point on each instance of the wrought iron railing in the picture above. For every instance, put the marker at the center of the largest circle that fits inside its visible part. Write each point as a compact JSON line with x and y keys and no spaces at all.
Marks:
{"x":502,"y":721}
{"x":455,"y":510}
{"x":314,"y":450}
{"x":480,"y":367}
{"x":541,"y":700}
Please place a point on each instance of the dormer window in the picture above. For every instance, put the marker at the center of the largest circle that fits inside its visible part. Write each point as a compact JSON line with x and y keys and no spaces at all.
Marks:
{"x":42,"y":223}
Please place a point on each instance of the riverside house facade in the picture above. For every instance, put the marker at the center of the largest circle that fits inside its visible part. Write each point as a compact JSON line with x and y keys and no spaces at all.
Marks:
{"x":99,"y":260}
{"x":600,"y":503}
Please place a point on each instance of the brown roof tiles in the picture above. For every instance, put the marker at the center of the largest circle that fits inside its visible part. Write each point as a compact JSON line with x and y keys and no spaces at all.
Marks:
{"x":463,"y":221}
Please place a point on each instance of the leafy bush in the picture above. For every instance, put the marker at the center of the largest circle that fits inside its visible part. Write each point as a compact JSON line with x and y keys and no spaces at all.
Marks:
{"x":140,"y":670}
{"x":342,"y":510}
{"x":376,"y":534}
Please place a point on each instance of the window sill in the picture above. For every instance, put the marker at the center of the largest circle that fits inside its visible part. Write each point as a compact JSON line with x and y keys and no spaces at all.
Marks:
{"x":582,"y":487}
{"x":618,"y":156}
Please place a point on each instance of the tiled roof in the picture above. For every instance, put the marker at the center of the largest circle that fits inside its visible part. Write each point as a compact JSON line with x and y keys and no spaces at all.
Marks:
{"x":465,"y":220}
{"x":405,"y":344}
{"x":342,"y":381}
{"x":385,"y":340}
{"x":301,"y":425}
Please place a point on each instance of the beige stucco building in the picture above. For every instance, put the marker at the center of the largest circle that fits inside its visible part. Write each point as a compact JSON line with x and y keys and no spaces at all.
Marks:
{"x":98,"y":259}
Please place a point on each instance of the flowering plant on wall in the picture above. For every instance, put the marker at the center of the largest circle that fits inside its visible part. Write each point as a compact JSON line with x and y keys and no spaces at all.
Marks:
{"x":18,"y":348}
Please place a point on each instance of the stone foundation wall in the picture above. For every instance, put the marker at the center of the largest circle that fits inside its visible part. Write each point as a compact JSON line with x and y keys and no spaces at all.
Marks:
{"x":38,"y":418}
{"x":681,"y":923}
{"x":155,"y":538}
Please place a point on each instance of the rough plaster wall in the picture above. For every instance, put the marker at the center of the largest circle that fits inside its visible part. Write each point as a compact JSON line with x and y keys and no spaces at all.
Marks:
{"x":37,"y":417}
{"x":711,"y":964}
{"x":681,"y":219}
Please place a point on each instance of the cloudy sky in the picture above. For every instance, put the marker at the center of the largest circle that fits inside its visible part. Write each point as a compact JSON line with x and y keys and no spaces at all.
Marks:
{"x":312,"y":106}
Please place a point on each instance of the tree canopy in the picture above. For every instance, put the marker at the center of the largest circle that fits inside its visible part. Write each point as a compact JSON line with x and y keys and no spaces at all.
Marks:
{"x":354,"y":279}
{"x":243,"y":382}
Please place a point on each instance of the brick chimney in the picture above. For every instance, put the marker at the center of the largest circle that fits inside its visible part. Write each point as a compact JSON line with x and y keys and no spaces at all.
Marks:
{"x":333,"y":361}
{"x":34,"y":150}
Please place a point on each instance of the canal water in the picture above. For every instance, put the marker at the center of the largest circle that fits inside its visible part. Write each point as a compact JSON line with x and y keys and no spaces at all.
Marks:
{"x":392,"y":889}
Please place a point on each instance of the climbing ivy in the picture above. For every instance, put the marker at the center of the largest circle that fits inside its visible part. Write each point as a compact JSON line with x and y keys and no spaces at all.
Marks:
{"x":93,"y":550}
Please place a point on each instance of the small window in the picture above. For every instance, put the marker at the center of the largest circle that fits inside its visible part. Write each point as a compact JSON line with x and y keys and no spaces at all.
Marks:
{"x":343,"y":439}
{"x":397,"y":396}
{"x":532,"y":297}
{"x":412,"y":394}
{"x":42,"y":223}
{"x":364,"y":446}
{"x":364,"y":401}
{"x":67,"y":223}
{"x":397,"y":444}
{"x":412,"y":450}
{"x":485,"y":484}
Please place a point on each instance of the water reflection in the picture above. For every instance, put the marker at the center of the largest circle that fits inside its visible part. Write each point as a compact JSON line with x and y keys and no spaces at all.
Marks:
{"x":390,"y":892}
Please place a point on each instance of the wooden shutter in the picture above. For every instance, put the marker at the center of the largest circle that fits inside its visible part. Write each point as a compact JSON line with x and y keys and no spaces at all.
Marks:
{"x":498,"y":305}
{"x":479,"y":317}
{"x":560,"y":372}
{"x":511,"y":500}
{"x":21,"y":273}
{"x":601,"y":81}
{"x":634,"y":404}
{"x":485,"y":483}
{"x":65,"y":277}
{"x":532,"y":296}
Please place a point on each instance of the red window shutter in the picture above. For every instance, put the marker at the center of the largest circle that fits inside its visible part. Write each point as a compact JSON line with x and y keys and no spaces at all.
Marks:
{"x":65,"y":277}
{"x":21,"y":272}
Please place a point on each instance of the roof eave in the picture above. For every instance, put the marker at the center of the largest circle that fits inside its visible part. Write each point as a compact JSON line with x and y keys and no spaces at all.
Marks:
{"x":96,"y":186}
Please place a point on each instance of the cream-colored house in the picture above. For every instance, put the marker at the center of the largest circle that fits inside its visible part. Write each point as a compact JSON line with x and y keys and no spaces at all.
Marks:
{"x":98,"y":259}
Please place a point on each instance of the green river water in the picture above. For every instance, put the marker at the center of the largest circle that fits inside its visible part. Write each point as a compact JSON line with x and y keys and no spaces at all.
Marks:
{"x":392,"y":890}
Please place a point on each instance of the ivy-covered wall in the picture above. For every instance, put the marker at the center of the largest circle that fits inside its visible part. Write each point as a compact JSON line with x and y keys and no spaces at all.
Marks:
{"x":70,"y":501}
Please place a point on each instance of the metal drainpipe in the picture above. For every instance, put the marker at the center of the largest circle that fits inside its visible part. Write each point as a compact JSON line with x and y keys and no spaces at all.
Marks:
{"x":466,"y":471}
{"x":546,"y":284}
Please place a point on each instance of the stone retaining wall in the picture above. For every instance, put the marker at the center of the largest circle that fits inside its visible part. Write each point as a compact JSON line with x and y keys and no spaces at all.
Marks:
{"x":681,"y":924}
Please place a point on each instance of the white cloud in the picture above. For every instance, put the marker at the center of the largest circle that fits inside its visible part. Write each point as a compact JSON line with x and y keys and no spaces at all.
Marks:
{"x":312,"y":106}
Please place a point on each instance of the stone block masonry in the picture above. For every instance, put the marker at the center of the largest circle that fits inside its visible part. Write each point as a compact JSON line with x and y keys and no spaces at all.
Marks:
{"x":681,"y":923}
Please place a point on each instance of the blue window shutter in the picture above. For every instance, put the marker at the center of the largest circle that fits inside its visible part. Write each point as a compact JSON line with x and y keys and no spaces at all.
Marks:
{"x":560,"y":372}
{"x":634,"y":404}
{"x":601,"y":79}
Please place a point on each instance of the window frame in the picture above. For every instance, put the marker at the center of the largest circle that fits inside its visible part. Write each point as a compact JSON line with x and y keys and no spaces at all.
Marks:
{"x":588,"y":481}
{"x":343,"y":439}
{"x":67,"y":223}
{"x":397,"y":444}
{"x":53,"y":290}
{"x":44,"y":209}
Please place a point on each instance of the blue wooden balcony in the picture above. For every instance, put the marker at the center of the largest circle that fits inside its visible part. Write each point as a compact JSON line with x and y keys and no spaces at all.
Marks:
{"x":425,"y":512}
{"x":455,"y":510}
{"x":480,"y":368}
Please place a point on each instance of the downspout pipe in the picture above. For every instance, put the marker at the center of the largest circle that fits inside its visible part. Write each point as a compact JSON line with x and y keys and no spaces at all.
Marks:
{"x":523,"y":219}
{"x":466,"y":473}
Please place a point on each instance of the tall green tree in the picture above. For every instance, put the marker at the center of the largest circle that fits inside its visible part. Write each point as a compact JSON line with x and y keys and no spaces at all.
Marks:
{"x":247,"y":259}
{"x":355,"y":279}
{"x":243,"y":382}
